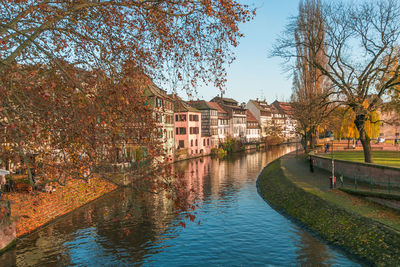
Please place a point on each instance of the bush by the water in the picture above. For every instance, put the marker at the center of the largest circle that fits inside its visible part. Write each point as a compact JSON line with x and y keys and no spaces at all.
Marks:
{"x":232,"y":145}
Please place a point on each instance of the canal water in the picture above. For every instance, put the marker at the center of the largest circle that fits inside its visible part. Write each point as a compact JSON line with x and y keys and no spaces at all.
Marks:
{"x":233,"y":226}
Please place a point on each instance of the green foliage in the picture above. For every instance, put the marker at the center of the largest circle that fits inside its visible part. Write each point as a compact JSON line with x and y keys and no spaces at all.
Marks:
{"x":388,"y":158}
{"x":232,"y":145}
{"x":219,"y":152}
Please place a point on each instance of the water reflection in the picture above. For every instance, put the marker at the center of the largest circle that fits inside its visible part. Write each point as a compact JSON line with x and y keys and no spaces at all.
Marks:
{"x":311,"y":250}
{"x":236,"y":226}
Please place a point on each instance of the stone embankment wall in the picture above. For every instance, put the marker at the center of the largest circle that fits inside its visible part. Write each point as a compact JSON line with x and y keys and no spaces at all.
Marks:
{"x":7,"y":227}
{"x":374,"y":242}
{"x":363,"y":171}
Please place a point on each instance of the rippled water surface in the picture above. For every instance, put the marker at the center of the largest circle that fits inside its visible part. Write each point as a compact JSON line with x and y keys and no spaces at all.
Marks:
{"x":237,"y":228}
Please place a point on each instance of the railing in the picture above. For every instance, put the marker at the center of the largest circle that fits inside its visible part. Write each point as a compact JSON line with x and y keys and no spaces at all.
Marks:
{"x":368,"y":183}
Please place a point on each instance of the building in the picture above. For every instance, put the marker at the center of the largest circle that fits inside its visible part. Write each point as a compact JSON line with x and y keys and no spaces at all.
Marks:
{"x":188,"y":140}
{"x":223,"y":122}
{"x":236,"y":115}
{"x":209,"y":122}
{"x":163,"y":106}
{"x":390,"y":125}
{"x":262,"y":112}
{"x":253,"y":131}
{"x":284,"y":110}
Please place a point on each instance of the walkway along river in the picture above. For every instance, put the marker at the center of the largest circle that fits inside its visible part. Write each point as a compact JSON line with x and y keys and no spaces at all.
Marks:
{"x":236,"y":226}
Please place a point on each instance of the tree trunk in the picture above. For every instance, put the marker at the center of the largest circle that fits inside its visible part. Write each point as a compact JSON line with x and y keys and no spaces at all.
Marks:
{"x":313,"y":137}
{"x":364,"y":138}
{"x":310,"y":136}
{"x":305,"y":146}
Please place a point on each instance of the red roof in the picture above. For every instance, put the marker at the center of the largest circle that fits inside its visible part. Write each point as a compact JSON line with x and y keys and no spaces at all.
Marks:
{"x":250,"y":117}
{"x":285,"y":107}
{"x":216,"y":106}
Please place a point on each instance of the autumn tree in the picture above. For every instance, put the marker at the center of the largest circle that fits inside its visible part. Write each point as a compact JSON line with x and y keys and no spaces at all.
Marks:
{"x":341,"y":121}
{"x":311,"y":102}
{"x":360,"y":44}
{"x":73,"y":74}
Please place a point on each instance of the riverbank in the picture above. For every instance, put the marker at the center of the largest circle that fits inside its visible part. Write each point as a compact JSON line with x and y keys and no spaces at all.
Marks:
{"x":36,"y":209}
{"x":363,"y":228}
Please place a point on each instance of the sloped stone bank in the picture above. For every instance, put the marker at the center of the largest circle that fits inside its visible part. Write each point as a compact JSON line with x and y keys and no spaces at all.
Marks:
{"x":361,"y":236}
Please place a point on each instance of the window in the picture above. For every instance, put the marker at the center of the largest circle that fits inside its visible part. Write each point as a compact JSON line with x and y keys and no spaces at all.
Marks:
{"x":169,"y":119}
{"x":181,"y":144}
{"x":208,"y":141}
{"x":204,"y":142}
{"x":196,"y":143}
{"x":180,"y":117}
{"x":194,"y":130}
{"x":157,"y":102}
{"x":191,"y":142}
{"x":180,"y":130}
{"x":193,"y":117}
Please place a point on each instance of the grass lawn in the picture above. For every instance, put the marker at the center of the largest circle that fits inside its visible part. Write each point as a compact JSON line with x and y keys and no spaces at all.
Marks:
{"x":388,"y":158}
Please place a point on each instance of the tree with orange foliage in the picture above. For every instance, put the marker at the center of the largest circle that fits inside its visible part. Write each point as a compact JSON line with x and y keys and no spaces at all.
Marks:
{"x":73,"y":75}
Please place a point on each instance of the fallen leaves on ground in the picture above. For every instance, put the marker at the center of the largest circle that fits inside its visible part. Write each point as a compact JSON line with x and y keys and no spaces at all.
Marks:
{"x":38,"y":208}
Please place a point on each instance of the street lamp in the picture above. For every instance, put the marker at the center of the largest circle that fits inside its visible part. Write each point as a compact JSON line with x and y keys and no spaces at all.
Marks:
{"x":332,"y":137}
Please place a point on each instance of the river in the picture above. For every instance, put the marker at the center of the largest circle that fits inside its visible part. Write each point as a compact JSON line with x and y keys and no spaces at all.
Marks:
{"x":233,"y":226}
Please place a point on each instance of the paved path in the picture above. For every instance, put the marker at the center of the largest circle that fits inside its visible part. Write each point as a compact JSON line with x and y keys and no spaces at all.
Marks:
{"x":299,"y":170}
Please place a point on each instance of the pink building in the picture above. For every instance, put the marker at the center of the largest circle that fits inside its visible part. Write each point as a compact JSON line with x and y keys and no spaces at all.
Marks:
{"x":188,"y":140}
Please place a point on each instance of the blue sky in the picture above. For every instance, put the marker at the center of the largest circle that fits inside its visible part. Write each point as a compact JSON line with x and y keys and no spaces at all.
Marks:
{"x":254,"y":74}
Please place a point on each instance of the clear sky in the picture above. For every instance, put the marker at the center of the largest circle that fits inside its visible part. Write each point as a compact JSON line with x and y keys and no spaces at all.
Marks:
{"x":253,"y":74}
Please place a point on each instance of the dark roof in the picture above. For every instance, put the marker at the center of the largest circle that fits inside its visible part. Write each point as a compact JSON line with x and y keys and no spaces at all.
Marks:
{"x":182,"y":106}
{"x":153,"y":90}
{"x":224,"y":99}
{"x":202,"y":105}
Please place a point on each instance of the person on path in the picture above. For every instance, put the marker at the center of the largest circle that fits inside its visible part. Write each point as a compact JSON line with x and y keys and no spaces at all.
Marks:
{"x":311,"y":164}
